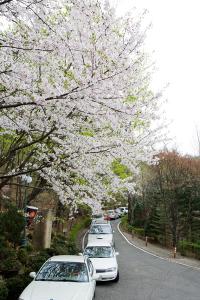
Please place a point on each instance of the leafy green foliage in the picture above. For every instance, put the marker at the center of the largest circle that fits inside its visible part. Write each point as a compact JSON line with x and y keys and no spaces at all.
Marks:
{"x":138,"y":231}
{"x":130,"y":228}
{"x":3,"y":290}
{"x":120,"y":170}
{"x":11,"y":225}
{"x":130,"y":99}
{"x":187,"y":248}
{"x":16,"y":285}
{"x":125,"y":224}
{"x":77,"y":227}
{"x":87,"y":133}
{"x":84,"y":210}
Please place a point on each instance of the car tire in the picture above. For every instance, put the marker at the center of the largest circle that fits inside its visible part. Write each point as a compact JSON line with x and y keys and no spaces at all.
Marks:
{"x":117,"y":278}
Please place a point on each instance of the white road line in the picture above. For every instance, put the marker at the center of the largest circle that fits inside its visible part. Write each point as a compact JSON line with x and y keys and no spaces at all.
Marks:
{"x":152,"y":254}
{"x":83,"y":241}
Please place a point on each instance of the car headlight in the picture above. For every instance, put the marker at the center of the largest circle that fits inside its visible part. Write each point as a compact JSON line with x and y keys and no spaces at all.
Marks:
{"x":111,"y":269}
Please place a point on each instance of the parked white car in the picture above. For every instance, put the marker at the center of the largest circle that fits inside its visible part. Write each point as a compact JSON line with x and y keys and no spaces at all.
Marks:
{"x":103,"y":257}
{"x":62,"y":277}
{"x":122,"y":211}
{"x":99,"y":232}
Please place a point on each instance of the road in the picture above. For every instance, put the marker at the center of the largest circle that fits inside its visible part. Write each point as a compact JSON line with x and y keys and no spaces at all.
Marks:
{"x":144,"y":277}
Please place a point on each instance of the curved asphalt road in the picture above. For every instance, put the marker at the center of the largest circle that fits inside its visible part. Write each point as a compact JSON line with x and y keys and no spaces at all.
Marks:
{"x":144,"y":277}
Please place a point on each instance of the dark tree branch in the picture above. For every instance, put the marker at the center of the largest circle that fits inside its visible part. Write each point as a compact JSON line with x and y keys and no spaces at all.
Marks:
{"x":26,"y":49}
{"x":5,"y":2}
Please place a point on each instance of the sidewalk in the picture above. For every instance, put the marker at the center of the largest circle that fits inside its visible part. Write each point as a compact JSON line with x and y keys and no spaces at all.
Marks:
{"x":161,"y":252}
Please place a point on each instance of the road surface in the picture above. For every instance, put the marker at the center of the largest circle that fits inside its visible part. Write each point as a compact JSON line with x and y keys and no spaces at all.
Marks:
{"x":144,"y":277}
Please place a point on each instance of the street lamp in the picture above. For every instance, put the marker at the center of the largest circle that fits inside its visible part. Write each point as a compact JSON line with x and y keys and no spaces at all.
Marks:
{"x":26,"y":179}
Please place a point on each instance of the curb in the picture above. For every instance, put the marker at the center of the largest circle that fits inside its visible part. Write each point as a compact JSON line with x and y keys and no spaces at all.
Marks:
{"x":154,"y":255}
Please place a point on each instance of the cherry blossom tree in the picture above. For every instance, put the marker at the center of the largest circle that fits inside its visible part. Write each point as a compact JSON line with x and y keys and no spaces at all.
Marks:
{"x":74,"y":95}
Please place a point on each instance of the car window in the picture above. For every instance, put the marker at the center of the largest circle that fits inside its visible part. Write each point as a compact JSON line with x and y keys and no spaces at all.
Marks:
{"x":99,"y":252}
{"x":100,"y":229}
{"x":63,"y":271}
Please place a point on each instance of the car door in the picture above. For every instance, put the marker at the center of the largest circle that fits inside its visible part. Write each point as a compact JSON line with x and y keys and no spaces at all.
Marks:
{"x":92,"y":281}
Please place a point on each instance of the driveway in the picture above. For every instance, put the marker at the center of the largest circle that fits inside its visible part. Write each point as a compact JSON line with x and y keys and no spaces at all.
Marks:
{"x":144,"y":277}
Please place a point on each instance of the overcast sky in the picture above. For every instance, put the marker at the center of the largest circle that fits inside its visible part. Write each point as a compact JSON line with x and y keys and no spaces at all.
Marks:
{"x":175,"y":39}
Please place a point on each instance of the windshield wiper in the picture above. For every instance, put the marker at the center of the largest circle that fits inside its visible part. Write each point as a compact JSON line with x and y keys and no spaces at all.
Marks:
{"x":43,"y":280}
{"x":59,"y":280}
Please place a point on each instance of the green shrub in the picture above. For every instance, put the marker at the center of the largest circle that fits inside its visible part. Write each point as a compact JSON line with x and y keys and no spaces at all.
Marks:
{"x":23,"y":256}
{"x":84,"y":223}
{"x":87,"y":222}
{"x":72,"y":249}
{"x":9,"y":263}
{"x":11,"y":225}
{"x":160,"y":239}
{"x":37,"y":260}
{"x":10,"y":266}
{"x":125,"y":225}
{"x":186,"y":248}
{"x":62,"y":245}
{"x":138,"y":231}
{"x":16,"y":285}
{"x":3,"y":290}
{"x":84,"y":210}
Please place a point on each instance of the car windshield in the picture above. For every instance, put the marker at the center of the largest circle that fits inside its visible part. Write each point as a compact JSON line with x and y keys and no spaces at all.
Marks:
{"x":99,"y":229}
{"x":99,"y":252}
{"x":63,"y":271}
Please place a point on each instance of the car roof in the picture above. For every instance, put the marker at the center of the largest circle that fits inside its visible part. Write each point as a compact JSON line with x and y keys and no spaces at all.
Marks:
{"x":98,"y":243}
{"x":96,"y":221}
{"x":69,"y":258}
{"x":101,"y":224}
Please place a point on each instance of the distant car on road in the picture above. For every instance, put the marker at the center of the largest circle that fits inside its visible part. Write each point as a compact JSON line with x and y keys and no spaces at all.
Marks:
{"x":103,"y":257}
{"x":112,"y":214}
{"x":98,"y":216}
{"x":63,"y":277}
{"x":101,"y":232}
{"x":122,"y":211}
{"x":99,"y":221}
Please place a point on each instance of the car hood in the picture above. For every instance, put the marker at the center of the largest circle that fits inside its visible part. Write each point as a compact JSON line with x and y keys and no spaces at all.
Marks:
{"x":105,"y":237}
{"x":104,"y":263}
{"x":40,"y":290}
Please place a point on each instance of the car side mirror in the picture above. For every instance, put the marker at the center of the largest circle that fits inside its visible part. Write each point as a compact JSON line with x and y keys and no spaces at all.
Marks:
{"x":80,"y":254}
{"x":32,"y":275}
{"x":96,"y":276}
{"x":116,"y":253}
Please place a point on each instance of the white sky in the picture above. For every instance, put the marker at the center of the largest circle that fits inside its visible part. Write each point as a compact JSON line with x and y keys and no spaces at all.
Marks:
{"x":175,"y":38}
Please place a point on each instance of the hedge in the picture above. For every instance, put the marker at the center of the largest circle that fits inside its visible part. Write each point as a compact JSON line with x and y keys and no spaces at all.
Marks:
{"x":187,"y":248}
{"x":3,"y":290}
{"x":131,"y":229}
